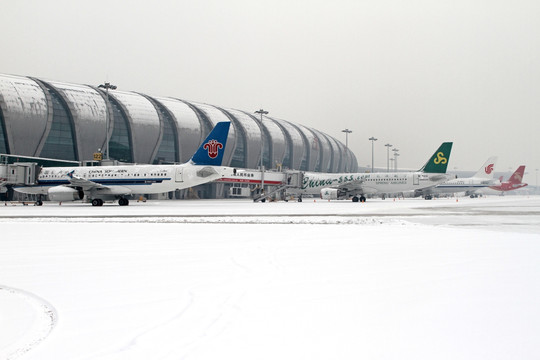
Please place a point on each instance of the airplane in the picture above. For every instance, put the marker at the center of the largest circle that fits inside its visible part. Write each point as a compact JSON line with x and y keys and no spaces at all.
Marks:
{"x":357,"y":185}
{"x":513,"y":183}
{"x":481,"y":179}
{"x":102,"y":183}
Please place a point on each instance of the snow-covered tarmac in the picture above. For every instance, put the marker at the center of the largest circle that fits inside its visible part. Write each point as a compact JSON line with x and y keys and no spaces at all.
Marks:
{"x":229,"y":279}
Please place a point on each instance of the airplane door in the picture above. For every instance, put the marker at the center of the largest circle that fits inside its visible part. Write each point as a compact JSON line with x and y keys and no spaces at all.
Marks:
{"x":415,"y":179}
{"x":179,"y":174}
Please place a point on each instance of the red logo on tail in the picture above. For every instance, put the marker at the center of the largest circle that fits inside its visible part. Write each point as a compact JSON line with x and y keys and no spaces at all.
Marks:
{"x":489,"y":169}
{"x":213,"y":147}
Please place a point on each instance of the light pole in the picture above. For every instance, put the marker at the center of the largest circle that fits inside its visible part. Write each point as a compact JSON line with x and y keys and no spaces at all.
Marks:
{"x":107,"y":86}
{"x":347,"y":132}
{"x":262,"y":112}
{"x":395,"y":160}
{"x":372,"y":139}
{"x":388,"y":146}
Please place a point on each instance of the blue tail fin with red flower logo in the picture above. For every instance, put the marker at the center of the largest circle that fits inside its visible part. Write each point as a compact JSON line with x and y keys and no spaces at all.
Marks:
{"x":213,"y":147}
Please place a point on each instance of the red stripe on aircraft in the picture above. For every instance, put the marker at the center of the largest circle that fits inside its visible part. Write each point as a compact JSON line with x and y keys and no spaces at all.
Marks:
{"x":249,"y":181}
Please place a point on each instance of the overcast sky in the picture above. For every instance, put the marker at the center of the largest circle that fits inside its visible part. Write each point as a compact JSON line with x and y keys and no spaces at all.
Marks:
{"x":411,"y":73}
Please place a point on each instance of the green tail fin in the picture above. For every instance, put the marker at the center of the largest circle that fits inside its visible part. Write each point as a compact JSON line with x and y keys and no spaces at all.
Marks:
{"x":438,"y":162}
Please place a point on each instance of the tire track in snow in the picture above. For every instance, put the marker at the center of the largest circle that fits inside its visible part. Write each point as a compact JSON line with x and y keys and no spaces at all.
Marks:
{"x":46,"y":318}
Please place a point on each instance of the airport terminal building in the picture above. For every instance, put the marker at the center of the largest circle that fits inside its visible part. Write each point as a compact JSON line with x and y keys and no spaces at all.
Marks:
{"x":64,"y":121}
{"x":56,"y":120}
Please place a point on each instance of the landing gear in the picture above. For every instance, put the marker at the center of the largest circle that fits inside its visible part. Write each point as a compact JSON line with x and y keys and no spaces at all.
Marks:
{"x":97,"y":202}
{"x":355,"y":199}
{"x":428,"y":197}
{"x":123,"y":202}
{"x":362,"y":199}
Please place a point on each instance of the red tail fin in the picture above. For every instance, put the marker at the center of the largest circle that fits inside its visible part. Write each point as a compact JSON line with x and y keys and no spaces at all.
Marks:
{"x":517,"y":176}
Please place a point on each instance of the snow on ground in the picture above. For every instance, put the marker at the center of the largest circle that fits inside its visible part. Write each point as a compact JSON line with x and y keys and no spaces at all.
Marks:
{"x":403,"y":279}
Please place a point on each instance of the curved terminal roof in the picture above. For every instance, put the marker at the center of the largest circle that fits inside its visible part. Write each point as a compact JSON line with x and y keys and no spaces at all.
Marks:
{"x":25,"y":110}
{"x":188,"y":125}
{"x":313,"y":145}
{"x":146,"y":129}
{"x":88,"y":110}
{"x":251,"y":133}
{"x":338,"y":155}
{"x":297,"y":146}
{"x":278,"y":140}
{"x":325,"y":151}
{"x":148,"y":125}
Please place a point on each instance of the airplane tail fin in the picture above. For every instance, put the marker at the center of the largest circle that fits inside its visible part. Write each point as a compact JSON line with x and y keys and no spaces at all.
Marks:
{"x":438,"y":162}
{"x":213,"y":147}
{"x":517,"y":176}
{"x":487,"y":170}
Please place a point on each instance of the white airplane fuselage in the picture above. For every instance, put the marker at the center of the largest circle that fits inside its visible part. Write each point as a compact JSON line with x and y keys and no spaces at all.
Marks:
{"x":461,"y":185}
{"x":371,"y":183}
{"x":123,"y":180}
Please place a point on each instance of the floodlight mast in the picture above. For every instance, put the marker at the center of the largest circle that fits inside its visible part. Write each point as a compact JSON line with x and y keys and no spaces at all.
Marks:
{"x":372,"y":139}
{"x":388,"y":146}
{"x":347,"y":132}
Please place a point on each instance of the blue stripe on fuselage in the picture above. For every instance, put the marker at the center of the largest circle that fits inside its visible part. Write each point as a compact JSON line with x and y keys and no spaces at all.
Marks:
{"x":107,"y":182}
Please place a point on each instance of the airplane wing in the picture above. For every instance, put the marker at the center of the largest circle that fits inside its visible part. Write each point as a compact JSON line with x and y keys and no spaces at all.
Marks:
{"x":84,"y":184}
{"x":89,"y":186}
{"x":356,"y":185}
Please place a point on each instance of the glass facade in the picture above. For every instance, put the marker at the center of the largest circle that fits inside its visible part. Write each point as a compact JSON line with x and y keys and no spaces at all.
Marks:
{"x":120,"y":142}
{"x":330,"y":154}
{"x":60,"y":142}
{"x":239,"y":155}
{"x":266,"y":151}
{"x":168,"y":149}
{"x":3,"y":139}
{"x":304,"y":164}
{"x":287,"y":159}
{"x":318,"y":147}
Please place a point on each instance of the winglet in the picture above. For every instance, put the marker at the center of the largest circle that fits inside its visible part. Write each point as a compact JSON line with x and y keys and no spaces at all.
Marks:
{"x":438,"y":162}
{"x":210,"y":152}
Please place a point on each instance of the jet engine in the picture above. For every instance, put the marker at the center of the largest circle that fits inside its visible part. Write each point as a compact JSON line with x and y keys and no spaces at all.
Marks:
{"x":64,"y":193}
{"x":332,"y":194}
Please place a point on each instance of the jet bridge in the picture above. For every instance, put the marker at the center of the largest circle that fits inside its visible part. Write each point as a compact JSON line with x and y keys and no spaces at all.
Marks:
{"x":261,"y":185}
{"x":18,"y":174}
{"x":292,"y":179}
